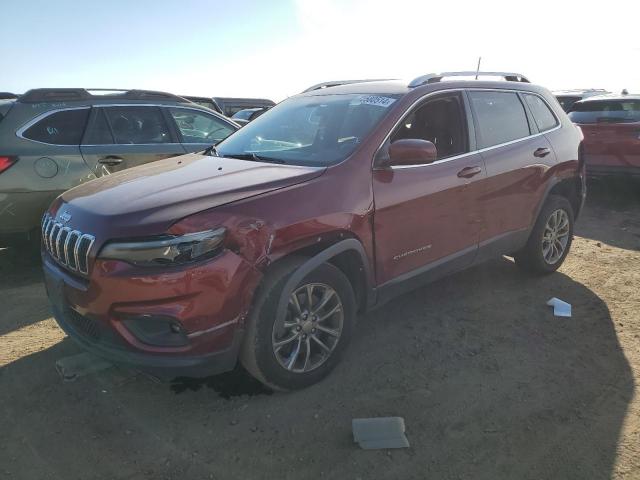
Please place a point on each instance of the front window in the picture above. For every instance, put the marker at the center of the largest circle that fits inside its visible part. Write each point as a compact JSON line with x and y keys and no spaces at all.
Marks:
{"x":606,"y":111}
{"x":312,"y":130}
{"x":200,"y":127}
{"x":441,"y":121}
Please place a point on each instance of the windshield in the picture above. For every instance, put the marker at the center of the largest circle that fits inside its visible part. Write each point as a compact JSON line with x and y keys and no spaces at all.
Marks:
{"x":207,"y":104}
{"x":243,"y":114}
{"x":606,"y":111}
{"x":310,"y":130}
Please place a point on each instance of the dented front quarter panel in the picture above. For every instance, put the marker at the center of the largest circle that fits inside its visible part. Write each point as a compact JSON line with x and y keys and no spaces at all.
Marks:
{"x":268,"y":227}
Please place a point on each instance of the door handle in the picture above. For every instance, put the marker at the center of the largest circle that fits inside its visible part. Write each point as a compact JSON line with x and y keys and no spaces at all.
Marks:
{"x":541,"y":152}
{"x":468,"y":172}
{"x":111,"y":160}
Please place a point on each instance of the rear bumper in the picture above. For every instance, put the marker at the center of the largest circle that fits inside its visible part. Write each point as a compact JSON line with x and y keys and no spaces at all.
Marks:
{"x":106,"y":314}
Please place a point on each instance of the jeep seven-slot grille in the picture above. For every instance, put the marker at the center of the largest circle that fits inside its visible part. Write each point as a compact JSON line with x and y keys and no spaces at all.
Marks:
{"x":70,"y":248}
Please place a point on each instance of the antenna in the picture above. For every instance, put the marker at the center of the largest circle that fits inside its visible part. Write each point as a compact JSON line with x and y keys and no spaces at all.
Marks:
{"x":478,"y":68}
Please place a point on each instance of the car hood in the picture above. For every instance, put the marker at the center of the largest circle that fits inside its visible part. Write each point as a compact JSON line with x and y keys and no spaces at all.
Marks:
{"x":148,"y":199}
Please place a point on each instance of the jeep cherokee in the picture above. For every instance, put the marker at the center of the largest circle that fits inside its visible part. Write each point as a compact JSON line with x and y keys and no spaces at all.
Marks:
{"x":267,"y":247}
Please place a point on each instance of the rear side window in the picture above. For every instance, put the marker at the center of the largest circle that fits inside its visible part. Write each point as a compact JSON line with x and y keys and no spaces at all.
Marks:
{"x":138,"y":125}
{"x":500,"y":117}
{"x":200,"y":127}
{"x":606,"y":111}
{"x":98,"y":132}
{"x":59,"y":128}
{"x":542,"y":114}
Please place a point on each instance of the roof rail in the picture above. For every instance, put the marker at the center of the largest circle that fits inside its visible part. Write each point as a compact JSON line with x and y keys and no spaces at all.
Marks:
{"x":68,"y":94}
{"x":437,"y":77}
{"x":337,"y":83}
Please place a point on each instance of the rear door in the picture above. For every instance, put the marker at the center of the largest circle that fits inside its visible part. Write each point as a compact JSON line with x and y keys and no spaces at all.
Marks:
{"x":198,"y":130}
{"x":124,"y":136}
{"x":49,"y":162}
{"x":516,"y":155}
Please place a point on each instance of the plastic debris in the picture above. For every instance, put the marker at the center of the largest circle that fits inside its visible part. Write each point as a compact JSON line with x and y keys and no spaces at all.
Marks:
{"x":76,"y":366}
{"x":379,"y":433}
{"x":560,"y":308}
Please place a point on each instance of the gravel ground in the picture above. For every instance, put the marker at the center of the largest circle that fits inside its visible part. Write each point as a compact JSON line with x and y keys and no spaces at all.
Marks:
{"x":491,"y":385}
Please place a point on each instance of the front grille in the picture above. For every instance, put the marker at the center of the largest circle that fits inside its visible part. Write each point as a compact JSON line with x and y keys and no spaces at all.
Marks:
{"x":84,"y":325}
{"x":70,"y":248}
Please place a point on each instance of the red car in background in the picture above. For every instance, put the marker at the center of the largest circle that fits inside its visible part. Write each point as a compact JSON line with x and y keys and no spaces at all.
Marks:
{"x":611,"y":127}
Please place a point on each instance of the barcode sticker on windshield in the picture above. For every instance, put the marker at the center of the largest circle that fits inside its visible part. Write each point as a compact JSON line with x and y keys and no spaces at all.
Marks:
{"x":376,"y":100}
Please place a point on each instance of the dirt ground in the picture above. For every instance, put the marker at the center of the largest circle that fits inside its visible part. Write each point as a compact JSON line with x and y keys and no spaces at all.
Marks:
{"x":491,"y":385}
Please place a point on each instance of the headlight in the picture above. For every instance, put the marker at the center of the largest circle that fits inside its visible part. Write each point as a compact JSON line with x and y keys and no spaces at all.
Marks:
{"x":167,"y":250}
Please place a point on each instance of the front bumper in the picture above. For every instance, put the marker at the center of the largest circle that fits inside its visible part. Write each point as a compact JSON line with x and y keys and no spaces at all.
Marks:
{"x":208,"y":302}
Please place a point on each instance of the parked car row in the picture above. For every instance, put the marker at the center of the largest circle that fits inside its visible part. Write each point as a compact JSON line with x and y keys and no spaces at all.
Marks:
{"x":54,"y":139}
{"x":266,"y":247}
{"x":611,"y":126}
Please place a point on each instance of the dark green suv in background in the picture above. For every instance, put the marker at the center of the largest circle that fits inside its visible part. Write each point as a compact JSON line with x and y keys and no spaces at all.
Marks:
{"x":54,"y":139}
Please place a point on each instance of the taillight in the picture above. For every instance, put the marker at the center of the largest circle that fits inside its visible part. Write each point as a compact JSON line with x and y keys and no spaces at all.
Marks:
{"x":6,"y":162}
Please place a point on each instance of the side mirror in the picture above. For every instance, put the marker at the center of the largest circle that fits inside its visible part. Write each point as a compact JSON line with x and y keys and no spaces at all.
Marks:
{"x":411,"y":151}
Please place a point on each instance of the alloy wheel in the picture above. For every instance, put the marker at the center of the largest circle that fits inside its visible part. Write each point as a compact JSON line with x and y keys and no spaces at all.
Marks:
{"x":555,"y":236}
{"x":311,"y":329}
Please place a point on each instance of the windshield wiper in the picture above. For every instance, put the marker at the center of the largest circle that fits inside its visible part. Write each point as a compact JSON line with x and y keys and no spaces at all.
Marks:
{"x":255,"y":158}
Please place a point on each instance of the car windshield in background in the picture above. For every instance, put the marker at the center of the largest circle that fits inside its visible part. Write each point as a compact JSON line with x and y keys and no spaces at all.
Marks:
{"x":243,"y":114}
{"x":567,"y":101}
{"x":205,"y":104}
{"x":606,"y":111}
{"x":310,"y":130}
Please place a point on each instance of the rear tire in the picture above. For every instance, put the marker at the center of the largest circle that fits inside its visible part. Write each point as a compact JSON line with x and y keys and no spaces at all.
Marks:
{"x":282,"y":353}
{"x":550,"y":239}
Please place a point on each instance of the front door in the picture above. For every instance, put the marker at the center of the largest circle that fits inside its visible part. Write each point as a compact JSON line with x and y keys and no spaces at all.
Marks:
{"x":427,"y":216}
{"x":121,"y":137}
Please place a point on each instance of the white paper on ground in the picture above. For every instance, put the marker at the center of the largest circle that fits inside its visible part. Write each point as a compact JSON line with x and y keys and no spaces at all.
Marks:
{"x":379,"y":433}
{"x":560,"y":308}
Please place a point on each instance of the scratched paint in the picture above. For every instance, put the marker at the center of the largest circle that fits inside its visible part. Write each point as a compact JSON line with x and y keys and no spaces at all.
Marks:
{"x":7,"y":209}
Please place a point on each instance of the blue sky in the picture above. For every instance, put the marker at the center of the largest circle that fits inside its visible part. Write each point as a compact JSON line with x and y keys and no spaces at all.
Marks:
{"x":277,"y":48}
{"x":121,"y":43}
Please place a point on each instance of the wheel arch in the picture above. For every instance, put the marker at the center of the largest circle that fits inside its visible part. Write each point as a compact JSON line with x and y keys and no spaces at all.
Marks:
{"x":570,"y":188}
{"x":347,"y":254}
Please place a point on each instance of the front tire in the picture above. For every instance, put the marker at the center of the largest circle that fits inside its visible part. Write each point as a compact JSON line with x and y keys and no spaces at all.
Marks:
{"x":301,"y":349}
{"x":550,"y":239}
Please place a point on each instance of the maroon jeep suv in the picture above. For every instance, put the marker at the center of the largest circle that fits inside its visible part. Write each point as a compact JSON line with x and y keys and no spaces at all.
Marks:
{"x":265,"y":248}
